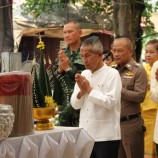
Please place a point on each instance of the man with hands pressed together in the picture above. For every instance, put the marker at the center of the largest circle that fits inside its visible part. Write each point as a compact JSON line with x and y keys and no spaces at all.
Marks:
{"x":64,"y":62}
{"x":97,"y":94}
{"x":66,"y":66}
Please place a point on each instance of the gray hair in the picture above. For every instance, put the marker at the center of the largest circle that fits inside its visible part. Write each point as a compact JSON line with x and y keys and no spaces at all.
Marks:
{"x":95,"y":43}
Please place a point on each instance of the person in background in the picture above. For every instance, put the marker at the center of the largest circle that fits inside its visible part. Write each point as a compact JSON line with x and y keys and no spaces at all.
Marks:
{"x":134,"y":86}
{"x":154,"y":95}
{"x":67,"y":64}
{"x":108,"y":57}
{"x":149,"y":108}
{"x":98,"y":97}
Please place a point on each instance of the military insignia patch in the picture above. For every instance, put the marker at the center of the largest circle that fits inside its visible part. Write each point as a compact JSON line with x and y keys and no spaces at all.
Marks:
{"x":128,"y":74}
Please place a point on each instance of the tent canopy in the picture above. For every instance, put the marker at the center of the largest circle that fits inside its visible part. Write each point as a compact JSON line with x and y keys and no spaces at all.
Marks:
{"x":50,"y":25}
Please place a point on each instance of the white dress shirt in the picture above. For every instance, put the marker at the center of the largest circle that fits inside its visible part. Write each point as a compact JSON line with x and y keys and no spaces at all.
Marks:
{"x":154,"y":96}
{"x":100,"y":109}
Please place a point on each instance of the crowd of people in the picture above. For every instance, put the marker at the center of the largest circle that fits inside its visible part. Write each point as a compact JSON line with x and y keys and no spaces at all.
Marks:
{"x":115,"y":99}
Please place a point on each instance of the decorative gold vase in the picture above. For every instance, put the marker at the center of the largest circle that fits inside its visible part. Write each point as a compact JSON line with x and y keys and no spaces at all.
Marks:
{"x":43,"y":115}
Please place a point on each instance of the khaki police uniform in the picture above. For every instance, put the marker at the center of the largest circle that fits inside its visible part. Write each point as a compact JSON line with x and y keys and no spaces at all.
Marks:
{"x":134,"y":86}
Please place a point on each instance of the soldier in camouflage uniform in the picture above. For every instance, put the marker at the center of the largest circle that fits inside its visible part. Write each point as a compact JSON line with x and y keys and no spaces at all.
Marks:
{"x":66,"y":66}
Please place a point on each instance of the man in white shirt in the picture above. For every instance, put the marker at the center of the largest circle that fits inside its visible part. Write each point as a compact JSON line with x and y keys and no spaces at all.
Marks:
{"x":97,"y":93}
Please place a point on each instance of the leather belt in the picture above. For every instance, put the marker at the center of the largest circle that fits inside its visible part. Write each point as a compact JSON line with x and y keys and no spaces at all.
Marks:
{"x":130,"y":117}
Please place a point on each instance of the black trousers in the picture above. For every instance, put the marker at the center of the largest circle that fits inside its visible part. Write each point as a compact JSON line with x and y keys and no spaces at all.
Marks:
{"x":157,"y":149}
{"x":106,"y":149}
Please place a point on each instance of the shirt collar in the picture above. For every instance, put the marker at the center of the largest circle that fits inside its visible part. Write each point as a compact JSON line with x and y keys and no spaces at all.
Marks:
{"x":128,"y":66}
{"x":68,"y":49}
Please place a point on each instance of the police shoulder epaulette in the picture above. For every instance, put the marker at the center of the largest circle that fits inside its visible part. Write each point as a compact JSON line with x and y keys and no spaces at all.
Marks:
{"x":113,"y":66}
{"x":128,"y":66}
{"x":137,"y":64}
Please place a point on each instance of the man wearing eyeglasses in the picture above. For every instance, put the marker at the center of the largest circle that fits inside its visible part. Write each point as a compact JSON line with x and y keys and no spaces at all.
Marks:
{"x":97,"y":93}
{"x":134,"y":86}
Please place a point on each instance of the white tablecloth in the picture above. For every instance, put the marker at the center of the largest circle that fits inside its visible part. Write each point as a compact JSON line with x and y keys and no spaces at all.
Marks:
{"x":61,"y":142}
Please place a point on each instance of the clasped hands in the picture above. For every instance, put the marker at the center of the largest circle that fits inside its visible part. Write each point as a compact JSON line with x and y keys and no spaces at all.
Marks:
{"x":64,"y":62}
{"x":83,"y":84}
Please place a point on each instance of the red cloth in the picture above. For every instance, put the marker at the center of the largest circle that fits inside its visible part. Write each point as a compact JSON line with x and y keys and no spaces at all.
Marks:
{"x":15,"y":84}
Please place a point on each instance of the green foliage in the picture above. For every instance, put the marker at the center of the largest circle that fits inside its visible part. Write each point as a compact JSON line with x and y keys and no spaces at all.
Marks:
{"x":43,"y":77}
{"x":104,"y":9}
{"x":49,"y":87}
{"x":149,"y":32}
{"x":59,"y":94}
{"x":38,"y":96}
{"x":98,"y":7}
{"x":146,"y":18}
{"x":41,"y":84}
{"x":36,"y":7}
{"x":156,"y":6}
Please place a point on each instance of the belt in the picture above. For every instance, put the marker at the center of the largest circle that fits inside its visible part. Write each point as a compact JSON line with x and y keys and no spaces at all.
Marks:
{"x":129,"y":117}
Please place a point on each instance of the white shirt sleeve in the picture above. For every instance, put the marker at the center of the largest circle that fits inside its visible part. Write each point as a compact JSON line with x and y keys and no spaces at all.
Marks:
{"x":154,"y":83}
{"x":75,"y":102}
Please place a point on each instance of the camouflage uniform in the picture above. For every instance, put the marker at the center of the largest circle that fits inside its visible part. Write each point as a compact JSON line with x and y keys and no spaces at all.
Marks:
{"x":67,"y":115}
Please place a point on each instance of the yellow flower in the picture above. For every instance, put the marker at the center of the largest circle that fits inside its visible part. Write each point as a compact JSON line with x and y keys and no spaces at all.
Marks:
{"x":50,"y":102}
{"x":41,"y":45}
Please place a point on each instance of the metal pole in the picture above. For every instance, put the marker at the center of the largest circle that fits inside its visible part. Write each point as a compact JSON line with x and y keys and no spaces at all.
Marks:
{"x":67,"y":9}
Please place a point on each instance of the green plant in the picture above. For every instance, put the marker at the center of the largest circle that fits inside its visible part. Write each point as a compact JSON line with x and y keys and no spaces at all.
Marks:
{"x":42,"y":96}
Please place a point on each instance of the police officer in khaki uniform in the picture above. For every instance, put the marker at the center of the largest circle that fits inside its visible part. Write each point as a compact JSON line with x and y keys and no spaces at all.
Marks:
{"x":134,"y":86}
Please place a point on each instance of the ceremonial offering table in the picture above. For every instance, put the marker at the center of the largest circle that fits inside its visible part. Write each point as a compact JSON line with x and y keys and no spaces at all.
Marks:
{"x":61,"y":142}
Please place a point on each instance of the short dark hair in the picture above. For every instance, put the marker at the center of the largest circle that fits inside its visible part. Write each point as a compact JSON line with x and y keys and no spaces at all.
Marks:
{"x":74,"y":22}
{"x":154,"y":42}
{"x":107,"y":53}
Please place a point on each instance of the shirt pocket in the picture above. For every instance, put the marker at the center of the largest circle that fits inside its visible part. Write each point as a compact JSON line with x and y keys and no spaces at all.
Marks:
{"x":128,"y":83}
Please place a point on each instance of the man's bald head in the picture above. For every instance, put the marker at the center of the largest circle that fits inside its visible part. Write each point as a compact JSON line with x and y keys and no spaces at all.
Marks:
{"x":126,"y":41}
{"x":122,"y":49}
